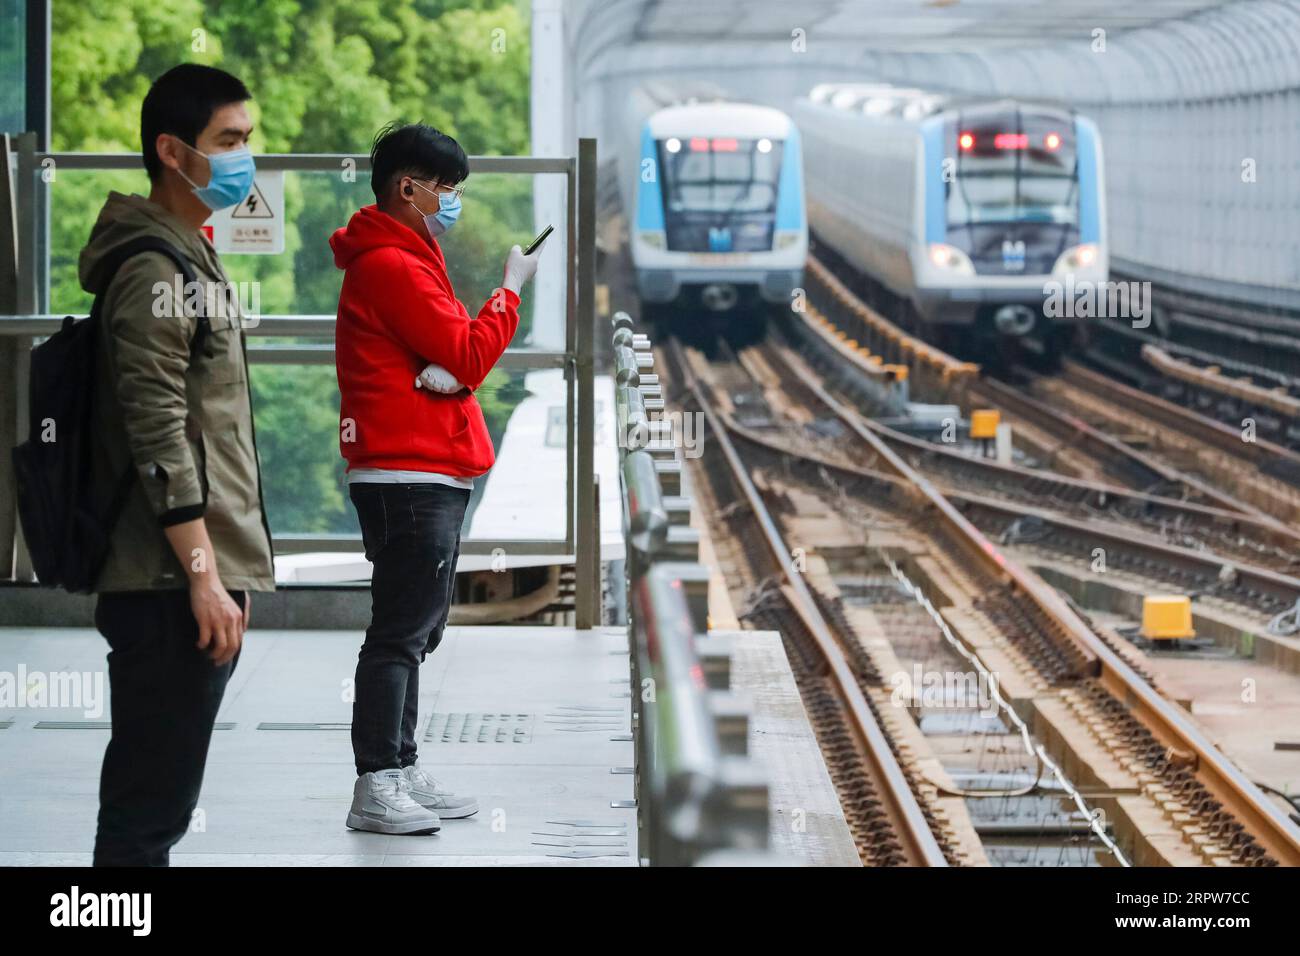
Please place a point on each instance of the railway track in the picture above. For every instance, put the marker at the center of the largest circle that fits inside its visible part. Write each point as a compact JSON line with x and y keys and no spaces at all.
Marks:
{"x":1224,"y":532}
{"x":890,"y":826}
{"x":1095,"y":680}
{"x":1267,"y":472}
{"x":1191,"y":535}
{"x":984,"y":778}
{"x":1246,"y":340}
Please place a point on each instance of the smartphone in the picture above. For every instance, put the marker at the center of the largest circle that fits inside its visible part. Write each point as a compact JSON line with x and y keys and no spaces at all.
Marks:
{"x":532,"y":246}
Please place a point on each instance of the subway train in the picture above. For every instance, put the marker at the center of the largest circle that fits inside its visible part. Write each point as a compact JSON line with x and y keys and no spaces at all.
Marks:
{"x":718,"y":226}
{"x":972,"y":218}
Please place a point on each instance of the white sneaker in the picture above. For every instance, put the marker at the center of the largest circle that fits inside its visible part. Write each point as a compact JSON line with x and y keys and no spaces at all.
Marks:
{"x":381,"y":803}
{"x":431,"y":795}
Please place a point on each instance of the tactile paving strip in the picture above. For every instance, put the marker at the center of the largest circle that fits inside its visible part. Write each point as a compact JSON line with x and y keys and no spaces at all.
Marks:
{"x":456,"y":727}
{"x":102,"y":725}
{"x":588,"y":718}
{"x":583,"y":839}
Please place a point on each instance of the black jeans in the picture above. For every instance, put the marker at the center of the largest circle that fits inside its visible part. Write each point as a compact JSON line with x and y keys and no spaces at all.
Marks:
{"x":165,"y":693}
{"x":412,"y":536}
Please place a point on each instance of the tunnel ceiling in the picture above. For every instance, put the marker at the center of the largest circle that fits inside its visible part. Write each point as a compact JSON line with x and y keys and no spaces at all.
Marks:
{"x":868,"y":26}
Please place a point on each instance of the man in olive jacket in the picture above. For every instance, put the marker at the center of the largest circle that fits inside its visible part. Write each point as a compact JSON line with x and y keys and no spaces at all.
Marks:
{"x":172,"y":400}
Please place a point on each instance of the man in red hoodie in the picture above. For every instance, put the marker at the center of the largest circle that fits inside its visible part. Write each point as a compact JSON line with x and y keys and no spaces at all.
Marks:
{"x":409,"y":358}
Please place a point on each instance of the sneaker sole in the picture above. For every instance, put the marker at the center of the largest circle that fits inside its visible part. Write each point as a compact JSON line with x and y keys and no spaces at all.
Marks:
{"x":358,"y":822}
{"x":446,"y":813}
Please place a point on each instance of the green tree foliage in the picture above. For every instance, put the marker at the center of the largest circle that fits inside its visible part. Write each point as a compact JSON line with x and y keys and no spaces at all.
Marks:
{"x":325,"y":76}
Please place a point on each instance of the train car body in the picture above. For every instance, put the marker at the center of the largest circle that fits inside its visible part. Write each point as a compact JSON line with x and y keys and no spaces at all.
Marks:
{"x":718,"y":218}
{"x":974,"y":212}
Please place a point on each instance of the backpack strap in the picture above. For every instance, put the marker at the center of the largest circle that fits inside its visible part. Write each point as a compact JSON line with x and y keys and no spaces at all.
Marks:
{"x":134,"y":247}
{"x":116,"y":259}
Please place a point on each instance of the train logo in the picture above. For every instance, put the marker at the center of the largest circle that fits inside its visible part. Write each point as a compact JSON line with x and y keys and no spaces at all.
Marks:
{"x":1013,"y":255}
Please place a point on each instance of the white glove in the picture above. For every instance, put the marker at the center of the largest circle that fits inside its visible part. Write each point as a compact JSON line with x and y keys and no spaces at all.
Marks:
{"x":437,"y":379}
{"x":520,"y":268}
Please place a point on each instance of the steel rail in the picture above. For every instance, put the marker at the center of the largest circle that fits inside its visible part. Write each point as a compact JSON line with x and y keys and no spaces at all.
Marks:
{"x":1042,"y":483}
{"x":1282,"y":588}
{"x":919,"y":841}
{"x":1071,"y":631}
{"x":1214,"y":433}
{"x":1106,"y":448}
{"x":1265,"y":820}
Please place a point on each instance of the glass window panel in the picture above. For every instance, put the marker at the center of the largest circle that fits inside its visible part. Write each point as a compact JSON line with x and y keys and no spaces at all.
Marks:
{"x":297,"y":406}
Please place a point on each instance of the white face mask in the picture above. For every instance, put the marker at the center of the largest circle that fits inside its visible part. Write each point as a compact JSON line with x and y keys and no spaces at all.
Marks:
{"x":448,"y":212}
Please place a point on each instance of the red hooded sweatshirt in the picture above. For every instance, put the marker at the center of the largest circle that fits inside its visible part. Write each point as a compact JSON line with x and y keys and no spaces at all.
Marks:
{"x":397,"y":314}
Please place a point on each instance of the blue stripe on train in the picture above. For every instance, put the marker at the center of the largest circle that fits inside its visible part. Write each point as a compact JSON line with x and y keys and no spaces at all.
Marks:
{"x":936,"y":211}
{"x":1089,"y":200}
{"x":789,"y":198}
{"x":649,"y":197}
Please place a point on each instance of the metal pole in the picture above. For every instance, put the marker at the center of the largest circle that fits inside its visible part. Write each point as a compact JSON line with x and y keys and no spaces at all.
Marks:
{"x":596,"y":582}
{"x":38,"y":71}
{"x":585,"y":598}
{"x":8,"y":360}
{"x":570,"y":346}
{"x":30,"y":252}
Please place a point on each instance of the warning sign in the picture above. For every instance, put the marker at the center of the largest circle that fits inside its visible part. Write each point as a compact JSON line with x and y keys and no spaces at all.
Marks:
{"x":253,"y":207}
{"x":256,"y":225}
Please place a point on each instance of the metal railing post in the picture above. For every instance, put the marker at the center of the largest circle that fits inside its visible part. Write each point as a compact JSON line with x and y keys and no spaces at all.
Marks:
{"x":30,"y":256}
{"x":586,"y":597}
{"x":8,"y":359}
{"x":570,"y":365}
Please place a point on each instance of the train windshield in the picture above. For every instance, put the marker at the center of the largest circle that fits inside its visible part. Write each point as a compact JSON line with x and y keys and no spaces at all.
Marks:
{"x":1014,"y":186}
{"x":719,"y":193}
{"x":1020,"y":174}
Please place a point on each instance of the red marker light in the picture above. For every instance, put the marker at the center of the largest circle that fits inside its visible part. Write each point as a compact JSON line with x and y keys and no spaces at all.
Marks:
{"x":966,"y":141}
{"x":699,"y":144}
{"x":1052,"y":141}
{"x":1011,"y":141}
{"x":724,"y":145}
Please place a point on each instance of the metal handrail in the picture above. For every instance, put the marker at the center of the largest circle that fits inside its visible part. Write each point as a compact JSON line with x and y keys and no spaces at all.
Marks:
{"x":693,"y":798}
{"x":23,"y":300}
{"x":313,"y":162}
{"x":647,"y":518}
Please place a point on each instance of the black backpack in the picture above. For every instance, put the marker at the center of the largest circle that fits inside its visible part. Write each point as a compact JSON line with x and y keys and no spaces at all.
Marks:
{"x":66,"y":531}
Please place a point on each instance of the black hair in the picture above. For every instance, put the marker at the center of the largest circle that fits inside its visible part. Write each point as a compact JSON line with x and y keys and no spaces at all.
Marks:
{"x":181,"y":102}
{"x":415,"y":150}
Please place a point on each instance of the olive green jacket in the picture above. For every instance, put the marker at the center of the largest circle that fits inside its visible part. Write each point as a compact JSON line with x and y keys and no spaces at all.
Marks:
{"x":182,"y":418}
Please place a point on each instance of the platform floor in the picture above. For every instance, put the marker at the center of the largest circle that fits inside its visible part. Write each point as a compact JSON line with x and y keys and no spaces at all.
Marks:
{"x":531,"y":720}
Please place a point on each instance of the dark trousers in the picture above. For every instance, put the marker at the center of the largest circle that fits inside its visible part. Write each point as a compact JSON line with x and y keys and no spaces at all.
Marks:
{"x":412,"y":536}
{"x":165,"y":693}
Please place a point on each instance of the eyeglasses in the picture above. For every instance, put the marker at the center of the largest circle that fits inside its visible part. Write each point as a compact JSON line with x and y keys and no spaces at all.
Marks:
{"x":440,"y":189}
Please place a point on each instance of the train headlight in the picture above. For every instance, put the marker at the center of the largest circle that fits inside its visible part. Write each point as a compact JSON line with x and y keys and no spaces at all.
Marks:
{"x":784,"y":240}
{"x":1076,"y":257}
{"x":653,"y":239}
{"x":951,"y":259}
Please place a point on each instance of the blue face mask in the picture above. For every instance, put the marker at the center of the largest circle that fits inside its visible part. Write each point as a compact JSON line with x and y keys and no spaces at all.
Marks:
{"x":230,"y":181}
{"x":448,"y":212}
